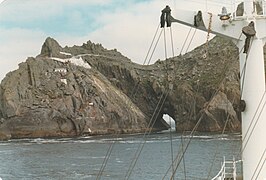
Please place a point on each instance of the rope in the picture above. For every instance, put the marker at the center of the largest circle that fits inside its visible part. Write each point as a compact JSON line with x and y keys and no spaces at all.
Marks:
{"x":208,"y":36}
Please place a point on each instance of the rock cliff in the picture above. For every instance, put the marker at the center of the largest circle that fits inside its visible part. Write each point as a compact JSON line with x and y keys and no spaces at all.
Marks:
{"x":88,"y":89}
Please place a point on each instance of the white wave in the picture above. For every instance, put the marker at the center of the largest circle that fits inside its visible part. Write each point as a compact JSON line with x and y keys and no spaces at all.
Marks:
{"x":97,"y":157}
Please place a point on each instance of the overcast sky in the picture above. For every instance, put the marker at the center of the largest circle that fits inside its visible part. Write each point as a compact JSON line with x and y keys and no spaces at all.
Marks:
{"x":127,"y":25}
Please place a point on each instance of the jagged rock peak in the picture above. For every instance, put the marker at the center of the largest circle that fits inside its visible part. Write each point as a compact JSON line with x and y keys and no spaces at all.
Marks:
{"x":92,"y":46}
{"x":50,"y":47}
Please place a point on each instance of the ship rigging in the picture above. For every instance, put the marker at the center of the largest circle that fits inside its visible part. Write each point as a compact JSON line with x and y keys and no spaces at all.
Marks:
{"x":246,"y":28}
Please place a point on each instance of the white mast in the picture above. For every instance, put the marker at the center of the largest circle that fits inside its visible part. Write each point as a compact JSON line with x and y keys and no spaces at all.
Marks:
{"x":252,"y":81}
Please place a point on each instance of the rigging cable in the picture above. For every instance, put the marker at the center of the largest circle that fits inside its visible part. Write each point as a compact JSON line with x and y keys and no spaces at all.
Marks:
{"x":216,"y":150}
{"x":243,"y":72}
{"x":155,"y":46}
{"x":259,"y":164}
{"x":172,"y":43}
{"x":171,"y":144}
{"x":191,"y":39}
{"x":184,"y":163}
{"x":135,"y":89}
{"x":169,"y":168}
{"x":185,"y":41}
{"x":183,"y":132}
{"x":151,"y":44}
{"x":106,"y":158}
{"x":186,"y":147}
{"x":198,"y":122}
{"x":137,"y":154}
{"x":133,"y":163}
{"x":252,"y":121}
{"x":165,"y":48}
{"x":171,"y":141}
{"x":141,"y":146}
{"x":172,"y":164}
{"x":148,"y":131}
{"x":252,"y":130}
{"x":227,"y":120}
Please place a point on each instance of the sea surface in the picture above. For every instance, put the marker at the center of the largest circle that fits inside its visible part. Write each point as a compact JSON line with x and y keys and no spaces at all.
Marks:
{"x":82,"y":158}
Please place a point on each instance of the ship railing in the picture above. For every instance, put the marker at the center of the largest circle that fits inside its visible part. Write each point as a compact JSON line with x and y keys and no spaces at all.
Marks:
{"x":227,"y":171}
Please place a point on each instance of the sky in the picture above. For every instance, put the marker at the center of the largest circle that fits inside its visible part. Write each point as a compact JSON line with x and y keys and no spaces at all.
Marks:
{"x":125,"y":25}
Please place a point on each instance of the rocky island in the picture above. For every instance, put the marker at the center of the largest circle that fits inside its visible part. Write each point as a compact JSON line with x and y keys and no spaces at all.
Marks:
{"x":89,"y":90}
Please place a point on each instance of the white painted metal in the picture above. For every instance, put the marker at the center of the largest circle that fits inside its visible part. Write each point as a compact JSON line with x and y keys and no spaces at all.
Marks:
{"x":252,"y":84}
{"x":231,"y":29}
{"x":253,"y":89}
{"x":254,"y":117}
{"x":248,"y":8}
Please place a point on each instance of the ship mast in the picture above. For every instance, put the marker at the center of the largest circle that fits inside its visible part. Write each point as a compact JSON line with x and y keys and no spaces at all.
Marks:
{"x":252,"y":85}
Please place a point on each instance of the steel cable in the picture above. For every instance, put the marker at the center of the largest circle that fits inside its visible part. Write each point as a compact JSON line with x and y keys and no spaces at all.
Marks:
{"x":185,"y":41}
{"x":259,"y":164}
{"x":197,"y":124}
{"x":109,"y":151}
{"x":129,"y":172}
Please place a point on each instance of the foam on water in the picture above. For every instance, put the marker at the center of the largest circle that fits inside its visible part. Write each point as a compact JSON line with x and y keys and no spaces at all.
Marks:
{"x":82,"y":157}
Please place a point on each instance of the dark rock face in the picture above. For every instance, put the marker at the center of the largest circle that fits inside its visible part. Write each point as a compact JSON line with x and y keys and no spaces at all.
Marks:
{"x":91,"y":90}
{"x":46,"y":97}
{"x":207,"y":87}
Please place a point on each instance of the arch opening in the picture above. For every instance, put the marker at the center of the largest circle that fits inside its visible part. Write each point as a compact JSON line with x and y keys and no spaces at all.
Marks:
{"x":170,"y":121}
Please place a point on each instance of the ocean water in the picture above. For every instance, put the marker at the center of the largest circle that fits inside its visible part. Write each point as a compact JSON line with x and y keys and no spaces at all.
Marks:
{"x":81,"y":158}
